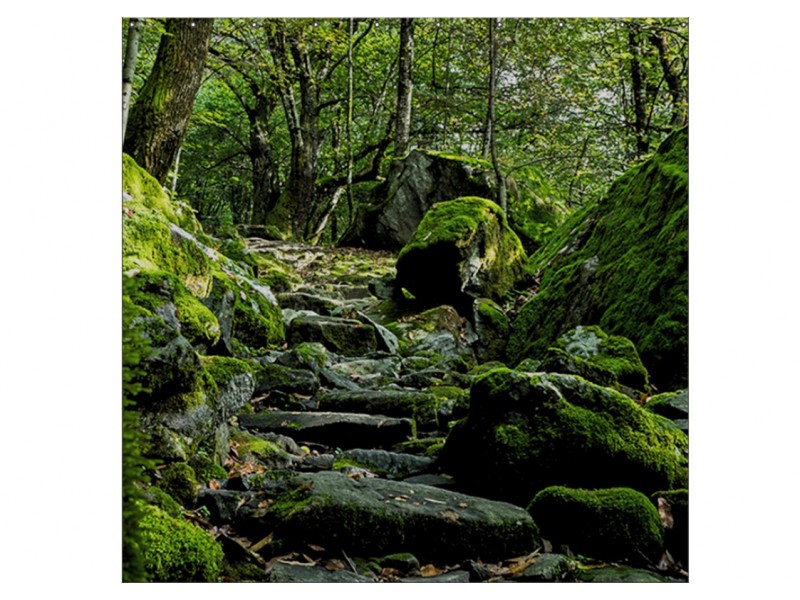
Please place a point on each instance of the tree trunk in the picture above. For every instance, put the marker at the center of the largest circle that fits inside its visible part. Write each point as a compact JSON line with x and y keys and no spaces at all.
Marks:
{"x":159,"y":118}
{"x":266,"y":185}
{"x":405,"y":87}
{"x":502,"y":196}
{"x":672,"y":79}
{"x":639,"y":99}
{"x":129,"y":68}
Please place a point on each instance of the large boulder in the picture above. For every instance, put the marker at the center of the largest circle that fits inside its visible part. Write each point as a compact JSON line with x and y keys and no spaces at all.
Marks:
{"x":614,"y":524}
{"x":371,"y":517}
{"x":527,"y":431}
{"x":621,"y":263}
{"x":413,"y":185}
{"x":463,"y":249}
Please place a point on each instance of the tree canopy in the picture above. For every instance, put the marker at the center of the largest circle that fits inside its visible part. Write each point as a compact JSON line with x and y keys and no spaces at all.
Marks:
{"x":293,"y":115}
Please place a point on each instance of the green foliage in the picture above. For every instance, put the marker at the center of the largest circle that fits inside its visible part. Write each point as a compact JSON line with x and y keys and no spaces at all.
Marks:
{"x":177,"y":551}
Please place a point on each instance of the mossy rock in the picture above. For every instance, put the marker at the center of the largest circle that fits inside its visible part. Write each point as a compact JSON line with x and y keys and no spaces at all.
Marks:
{"x":491,"y":327}
{"x":177,"y":551}
{"x":250,"y":321}
{"x":206,"y":469}
{"x":614,"y":524}
{"x":413,"y":185}
{"x":672,"y":405}
{"x":621,"y":263}
{"x":611,"y":361}
{"x":347,"y":337}
{"x":235,"y":381}
{"x":140,"y":189}
{"x":527,"y":431}
{"x":463,"y":249}
{"x":173,"y":377}
{"x":163,"y":294}
{"x":180,"y":482}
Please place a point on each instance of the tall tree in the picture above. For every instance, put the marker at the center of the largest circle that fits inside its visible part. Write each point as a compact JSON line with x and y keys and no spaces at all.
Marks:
{"x":161,"y":113}
{"x":491,"y":142}
{"x":129,"y":67}
{"x":405,"y":87}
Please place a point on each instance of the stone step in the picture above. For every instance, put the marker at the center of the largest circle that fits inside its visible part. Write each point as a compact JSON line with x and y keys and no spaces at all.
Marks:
{"x":335,"y":429}
{"x":371,"y":517}
{"x":429,"y":411}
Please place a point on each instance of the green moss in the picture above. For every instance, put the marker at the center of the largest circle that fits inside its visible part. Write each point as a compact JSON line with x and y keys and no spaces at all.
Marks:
{"x":621,"y":263}
{"x":256,"y":448}
{"x":161,"y":292}
{"x":430,"y":264}
{"x":224,"y":368}
{"x":177,"y":551}
{"x":609,"y":524}
{"x":206,"y":469}
{"x":161,"y":499}
{"x":180,"y":482}
{"x":528,"y":431}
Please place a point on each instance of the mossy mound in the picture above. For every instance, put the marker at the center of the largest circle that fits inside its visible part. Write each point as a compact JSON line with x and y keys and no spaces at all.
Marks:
{"x":527,"y":431}
{"x":463,"y":249}
{"x":617,"y":524}
{"x":621,"y":263}
{"x":610,"y":361}
{"x":177,"y":551}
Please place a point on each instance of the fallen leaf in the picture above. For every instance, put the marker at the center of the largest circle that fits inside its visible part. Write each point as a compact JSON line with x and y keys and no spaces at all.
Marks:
{"x":334,"y":564}
{"x":213,"y":484}
{"x":429,"y":571}
{"x":316,"y":548}
{"x":450,"y":515}
{"x":462,"y":505}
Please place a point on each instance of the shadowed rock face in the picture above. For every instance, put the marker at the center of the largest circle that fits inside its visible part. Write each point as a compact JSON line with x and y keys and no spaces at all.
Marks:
{"x":462,"y":250}
{"x":413,"y":185}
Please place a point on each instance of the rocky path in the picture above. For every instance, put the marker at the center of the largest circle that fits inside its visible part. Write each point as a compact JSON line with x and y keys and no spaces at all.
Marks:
{"x":333,"y":475}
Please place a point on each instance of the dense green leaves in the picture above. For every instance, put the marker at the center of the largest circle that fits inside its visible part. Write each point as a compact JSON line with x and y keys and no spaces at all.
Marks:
{"x":577,"y":102}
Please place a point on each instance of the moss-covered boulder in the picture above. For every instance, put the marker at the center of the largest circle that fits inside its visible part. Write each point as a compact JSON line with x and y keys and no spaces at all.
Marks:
{"x":463,"y":249}
{"x":176,"y":267}
{"x":616,"y":524}
{"x":527,"y":431}
{"x":177,"y":551}
{"x":372,"y":516}
{"x":621,"y":263}
{"x":611,"y":361}
{"x":412,"y":186}
{"x":163,"y":294}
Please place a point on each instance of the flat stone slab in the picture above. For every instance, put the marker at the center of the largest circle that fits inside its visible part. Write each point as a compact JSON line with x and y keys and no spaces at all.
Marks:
{"x":421,"y":406}
{"x":370,"y":516}
{"x":393,"y":465}
{"x":298,"y":573}
{"x":347,"y":337}
{"x":338,"y":429}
